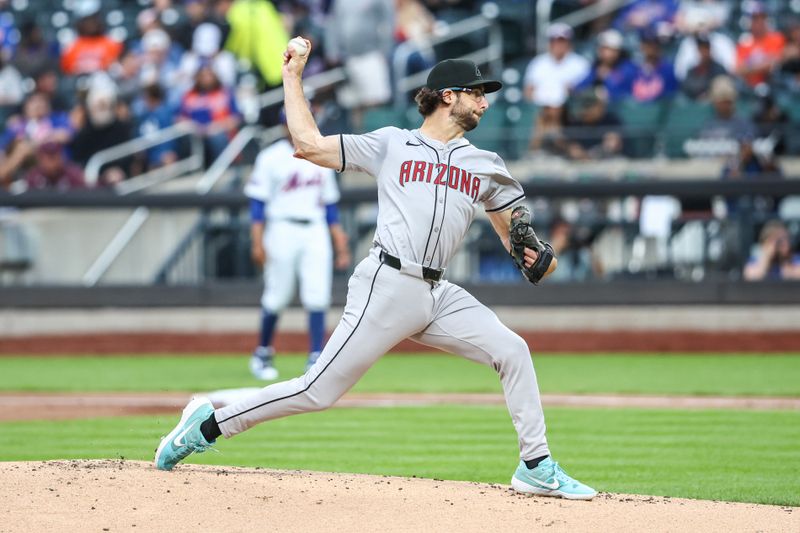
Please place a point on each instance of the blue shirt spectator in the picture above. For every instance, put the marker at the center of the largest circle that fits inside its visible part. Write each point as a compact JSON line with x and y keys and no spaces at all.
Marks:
{"x":612,"y":68}
{"x":152,"y":113}
{"x":655,"y":77}
{"x":642,"y":14}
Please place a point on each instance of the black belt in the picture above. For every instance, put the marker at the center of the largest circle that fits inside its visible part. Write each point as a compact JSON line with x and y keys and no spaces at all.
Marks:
{"x":428,"y":274}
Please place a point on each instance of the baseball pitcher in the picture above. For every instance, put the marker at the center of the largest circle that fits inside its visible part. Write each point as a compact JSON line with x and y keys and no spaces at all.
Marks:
{"x":431,"y":181}
{"x":294,"y":219}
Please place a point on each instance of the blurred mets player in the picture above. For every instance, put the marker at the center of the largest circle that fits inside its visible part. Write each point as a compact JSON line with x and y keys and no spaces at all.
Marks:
{"x":294,"y":218}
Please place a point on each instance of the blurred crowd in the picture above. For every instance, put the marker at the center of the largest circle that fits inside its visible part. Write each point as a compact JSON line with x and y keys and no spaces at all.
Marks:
{"x":735,"y":89}
{"x":81,"y":76}
{"x":78,"y":80}
{"x":675,"y":78}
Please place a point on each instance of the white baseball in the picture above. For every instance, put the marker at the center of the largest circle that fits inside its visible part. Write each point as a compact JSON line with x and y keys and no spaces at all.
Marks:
{"x":298,"y":46}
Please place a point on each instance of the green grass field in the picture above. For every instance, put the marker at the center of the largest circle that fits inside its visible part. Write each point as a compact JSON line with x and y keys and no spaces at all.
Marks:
{"x":736,"y":456}
{"x":731,"y":455}
{"x":773,"y":375}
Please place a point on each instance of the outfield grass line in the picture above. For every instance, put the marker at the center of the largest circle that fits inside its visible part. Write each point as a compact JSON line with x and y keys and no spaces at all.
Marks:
{"x":698,"y":375}
{"x":55,"y":406}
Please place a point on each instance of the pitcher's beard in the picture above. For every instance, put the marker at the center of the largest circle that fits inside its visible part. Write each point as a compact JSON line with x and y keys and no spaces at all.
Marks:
{"x":464,"y":117}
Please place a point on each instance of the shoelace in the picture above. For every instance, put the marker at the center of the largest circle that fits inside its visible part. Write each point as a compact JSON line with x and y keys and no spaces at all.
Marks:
{"x":200,"y":447}
{"x":561,"y":475}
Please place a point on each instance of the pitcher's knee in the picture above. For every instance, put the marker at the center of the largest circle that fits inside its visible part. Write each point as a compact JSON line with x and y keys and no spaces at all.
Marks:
{"x":320,"y":402}
{"x":512,"y":352}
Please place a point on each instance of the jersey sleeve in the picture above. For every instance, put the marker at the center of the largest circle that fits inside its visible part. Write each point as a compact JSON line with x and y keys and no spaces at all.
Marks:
{"x":365,"y":152}
{"x":504,"y":191}
{"x":258,"y":185}
{"x":330,"y":190}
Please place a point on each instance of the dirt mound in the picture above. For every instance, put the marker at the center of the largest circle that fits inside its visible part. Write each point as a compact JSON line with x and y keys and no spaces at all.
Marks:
{"x":115,"y":495}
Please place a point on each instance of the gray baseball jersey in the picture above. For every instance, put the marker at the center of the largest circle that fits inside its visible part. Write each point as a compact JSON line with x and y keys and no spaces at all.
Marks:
{"x":428,"y":193}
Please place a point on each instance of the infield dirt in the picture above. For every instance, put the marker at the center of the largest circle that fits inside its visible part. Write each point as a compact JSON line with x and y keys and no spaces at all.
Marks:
{"x":117,"y":495}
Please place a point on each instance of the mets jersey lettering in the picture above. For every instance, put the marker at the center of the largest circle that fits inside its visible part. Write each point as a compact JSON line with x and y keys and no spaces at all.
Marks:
{"x":292,"y":188}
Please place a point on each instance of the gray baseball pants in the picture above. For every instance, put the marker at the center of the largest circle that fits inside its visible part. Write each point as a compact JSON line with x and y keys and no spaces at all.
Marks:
{"x":385,"y":306}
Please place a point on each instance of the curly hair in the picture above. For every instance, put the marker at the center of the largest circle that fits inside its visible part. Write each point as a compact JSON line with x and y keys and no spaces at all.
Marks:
{"x":427,"y":101}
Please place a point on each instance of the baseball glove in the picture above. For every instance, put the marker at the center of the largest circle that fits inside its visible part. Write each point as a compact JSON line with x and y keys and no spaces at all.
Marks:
{"x":522,"y":236}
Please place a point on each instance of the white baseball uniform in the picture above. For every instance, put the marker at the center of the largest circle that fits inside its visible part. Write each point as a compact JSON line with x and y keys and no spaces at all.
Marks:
{"x":297,"y":239}
{"x":428,"y":194}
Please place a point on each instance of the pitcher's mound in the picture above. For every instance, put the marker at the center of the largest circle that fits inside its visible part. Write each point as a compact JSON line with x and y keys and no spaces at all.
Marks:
{"x":115,"y":495}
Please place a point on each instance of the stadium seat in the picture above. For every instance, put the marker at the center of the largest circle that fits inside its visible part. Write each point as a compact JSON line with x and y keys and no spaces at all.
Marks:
{"x":641,"y":121}
{"x":493,"y":132}
{"x":684,"y":120}
{"x":379,"y":117}
{"x":521,"y":118}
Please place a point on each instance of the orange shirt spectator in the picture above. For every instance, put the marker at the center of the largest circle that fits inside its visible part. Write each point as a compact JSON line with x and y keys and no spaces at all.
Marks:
{"x":759,"y":51}
{"x":90,"y":54}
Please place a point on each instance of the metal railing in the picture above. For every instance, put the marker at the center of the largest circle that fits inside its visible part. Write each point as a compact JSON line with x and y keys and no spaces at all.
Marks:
{"x":310,"y":85}
{"x":544,"y":9}
{"x":491,"y":54}
{"x":182,"y":166}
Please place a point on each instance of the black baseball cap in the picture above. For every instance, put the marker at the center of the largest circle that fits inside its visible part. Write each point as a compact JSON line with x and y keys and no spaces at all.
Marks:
{"x":459,"y":73}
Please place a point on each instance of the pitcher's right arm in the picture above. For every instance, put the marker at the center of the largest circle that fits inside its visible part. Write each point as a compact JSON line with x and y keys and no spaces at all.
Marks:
{"x":309,"y":143}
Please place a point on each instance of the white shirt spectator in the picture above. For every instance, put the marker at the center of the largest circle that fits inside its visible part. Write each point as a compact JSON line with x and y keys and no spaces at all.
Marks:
{"x":544,"y":68}
{"x":12,"y":88}
{"x":206,"y":44}
{"x":723,"y":51}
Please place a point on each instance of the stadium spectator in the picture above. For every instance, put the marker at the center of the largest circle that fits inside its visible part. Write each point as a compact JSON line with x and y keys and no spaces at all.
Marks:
{"x":168,"y":16}
{"x":415,"y":26}
{"x":308,"y":19}
{"x":360,"y":36}
{"x":152,"y":113}
{"x":93,"y":50}
{"x":595,"y":131}
{"x":559,"y":66}
{"x":257,"y":35}
{"x":548,"y":130}
{"x":646,"y":14}
{"x":722,"y":47}
{"x":34,"y":54}
{"x":655,"y":76}
{"x":575,"y":261}
{"x":219,"y":13}
{"x":127,"y":74}
{"x":206,"y":45}
{"x":12,"y":89}
{"x":772,"y":123}
{"x":8,"y":33}
{"x":148,"y":20}
{"x":54,"y":170}
{"x":102,"y":123}
{"x":196,"y":12}
{"x":725,"y":125}
{"x":697,"y":82}
{"x":157,"y":63}
{"x":726,"y":134}
{"x":774,"y":258}
{"x":759,"y":52}
{"x":37,"y":125}
{"x":47,"y":83}
{"x":212,"y":108}
{"x":712,"y":14}
{"x":790,"y":60}
{"x":612,"y":68}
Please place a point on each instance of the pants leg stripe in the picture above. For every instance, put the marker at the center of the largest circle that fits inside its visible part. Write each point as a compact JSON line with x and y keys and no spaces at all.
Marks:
{"x":366,"y":305}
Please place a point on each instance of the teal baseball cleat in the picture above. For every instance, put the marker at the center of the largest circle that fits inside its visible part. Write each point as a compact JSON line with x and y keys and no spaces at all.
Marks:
{"x":186,"y":438}
{"x":548,"y":479}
